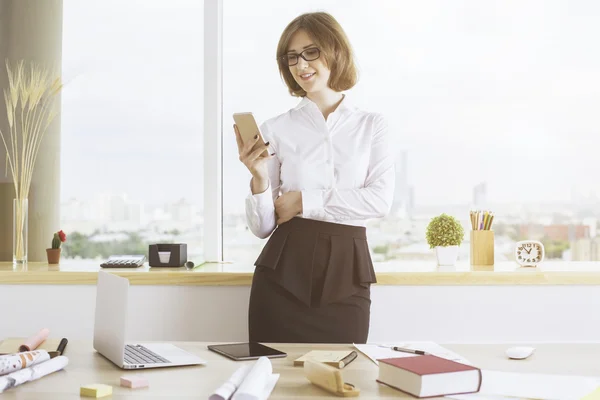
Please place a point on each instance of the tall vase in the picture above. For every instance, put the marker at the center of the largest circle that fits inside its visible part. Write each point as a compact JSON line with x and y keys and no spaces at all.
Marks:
{"x":20,"y":216}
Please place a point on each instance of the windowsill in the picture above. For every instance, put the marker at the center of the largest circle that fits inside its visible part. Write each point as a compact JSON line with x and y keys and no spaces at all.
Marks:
{"x":73,"y":272}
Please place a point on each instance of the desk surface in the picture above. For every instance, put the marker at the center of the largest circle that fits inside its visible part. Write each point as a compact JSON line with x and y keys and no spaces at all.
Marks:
{"x":73,"y":272}
{"x":86,"y":366}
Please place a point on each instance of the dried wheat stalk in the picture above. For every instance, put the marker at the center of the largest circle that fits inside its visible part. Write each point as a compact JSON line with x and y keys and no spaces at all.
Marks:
{"x":30,"y":106}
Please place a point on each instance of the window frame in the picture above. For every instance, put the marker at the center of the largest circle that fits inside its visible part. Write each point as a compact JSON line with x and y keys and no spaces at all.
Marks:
{"x":213,"y":239}
{"x":213,"y":131}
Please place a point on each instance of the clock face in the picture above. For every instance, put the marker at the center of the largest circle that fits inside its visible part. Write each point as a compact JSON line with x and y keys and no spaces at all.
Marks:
{"x":529,"y":253}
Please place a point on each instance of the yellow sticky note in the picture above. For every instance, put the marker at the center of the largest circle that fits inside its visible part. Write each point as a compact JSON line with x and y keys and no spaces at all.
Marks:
{"x":95,"y":390}
{"x":595,"y":395}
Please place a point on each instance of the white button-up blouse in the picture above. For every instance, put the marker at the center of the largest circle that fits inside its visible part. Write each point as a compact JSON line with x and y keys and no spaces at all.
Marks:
{"x":344,"y":166}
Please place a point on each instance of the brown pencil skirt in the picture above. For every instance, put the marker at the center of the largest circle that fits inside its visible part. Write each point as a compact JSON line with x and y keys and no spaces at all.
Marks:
{"x":312,"y":285}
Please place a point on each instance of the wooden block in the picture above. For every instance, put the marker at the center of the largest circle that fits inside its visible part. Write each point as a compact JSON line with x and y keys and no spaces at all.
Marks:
{"x":95,"y":390}
{"x":482,"y":247}
{"x":328,"y":378}
{"x":134,"y":381}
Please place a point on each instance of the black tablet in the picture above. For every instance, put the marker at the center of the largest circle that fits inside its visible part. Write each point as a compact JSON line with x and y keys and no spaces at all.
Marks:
{"x":246,"y":351}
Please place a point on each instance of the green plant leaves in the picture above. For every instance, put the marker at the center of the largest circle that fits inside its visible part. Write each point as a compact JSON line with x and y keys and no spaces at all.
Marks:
{"x":444,"y":230}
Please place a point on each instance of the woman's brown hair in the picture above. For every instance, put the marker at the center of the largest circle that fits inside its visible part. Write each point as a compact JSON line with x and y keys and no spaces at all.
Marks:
{"x":330,"y":38}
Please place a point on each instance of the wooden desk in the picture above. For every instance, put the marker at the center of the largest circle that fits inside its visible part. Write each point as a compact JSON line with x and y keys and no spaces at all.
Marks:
{"x":197,"y":382}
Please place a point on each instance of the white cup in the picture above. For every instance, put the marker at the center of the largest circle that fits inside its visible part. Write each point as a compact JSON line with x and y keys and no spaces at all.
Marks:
{"x":164,"y":256}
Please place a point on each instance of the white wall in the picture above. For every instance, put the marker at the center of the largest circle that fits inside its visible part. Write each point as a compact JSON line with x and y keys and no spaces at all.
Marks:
{"x":467,"y":314}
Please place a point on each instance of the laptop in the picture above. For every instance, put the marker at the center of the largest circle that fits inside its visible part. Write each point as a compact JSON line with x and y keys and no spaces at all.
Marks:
{"x":110,"y":331}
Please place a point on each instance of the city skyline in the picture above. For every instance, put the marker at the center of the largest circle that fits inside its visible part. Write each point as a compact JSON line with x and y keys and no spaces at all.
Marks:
{"x":391,"y":239}
{"x":477,"y":196}
{"x":115,"y":207}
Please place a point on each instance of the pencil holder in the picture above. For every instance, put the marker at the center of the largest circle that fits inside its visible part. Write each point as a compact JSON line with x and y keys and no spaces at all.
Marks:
{"x":482,"y":247}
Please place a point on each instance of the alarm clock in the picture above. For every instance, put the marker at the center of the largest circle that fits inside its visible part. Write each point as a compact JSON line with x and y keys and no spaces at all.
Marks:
{"x":529,"y":253}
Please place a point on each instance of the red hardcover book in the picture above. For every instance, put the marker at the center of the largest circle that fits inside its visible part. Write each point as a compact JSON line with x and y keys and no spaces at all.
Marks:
{"x":429,"y":376}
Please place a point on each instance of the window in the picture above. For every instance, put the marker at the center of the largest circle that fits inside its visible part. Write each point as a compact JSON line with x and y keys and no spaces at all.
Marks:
{"x":492,"y":105}
{"x":132,"y":126}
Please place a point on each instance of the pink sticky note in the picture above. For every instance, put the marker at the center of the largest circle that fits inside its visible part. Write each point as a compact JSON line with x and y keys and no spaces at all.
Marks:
{"x":134,"y":381}
{"x":33,"y":342}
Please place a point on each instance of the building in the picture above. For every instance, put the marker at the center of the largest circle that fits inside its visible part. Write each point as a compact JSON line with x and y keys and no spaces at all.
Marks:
{"x":480,"y":201}
{"x":585,"y":249}
{"x":557,"y":232}
{"x":595,"y":249}
{"x":581,"y":250}
{"x":410,"y":201}
{"x":401,"y":190}
{"x":592,"y":223}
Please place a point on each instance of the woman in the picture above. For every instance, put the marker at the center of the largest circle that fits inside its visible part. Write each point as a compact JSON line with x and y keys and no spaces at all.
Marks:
{"x":331,"y":169}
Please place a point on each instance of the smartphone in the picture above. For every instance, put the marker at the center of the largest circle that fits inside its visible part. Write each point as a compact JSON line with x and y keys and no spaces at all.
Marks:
{"x":246,"y":351}
{"x":248,"y":128}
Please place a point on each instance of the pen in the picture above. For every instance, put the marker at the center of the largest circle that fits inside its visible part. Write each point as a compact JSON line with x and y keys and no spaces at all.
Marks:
{"x":405,"y":350}
{"x":61,"y":346}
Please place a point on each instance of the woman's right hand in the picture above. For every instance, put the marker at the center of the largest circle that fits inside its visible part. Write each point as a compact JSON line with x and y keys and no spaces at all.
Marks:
{"x":253,"y":159}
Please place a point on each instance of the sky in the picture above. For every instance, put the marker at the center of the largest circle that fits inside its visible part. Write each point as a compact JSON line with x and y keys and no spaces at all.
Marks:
{"x":505,"y":92}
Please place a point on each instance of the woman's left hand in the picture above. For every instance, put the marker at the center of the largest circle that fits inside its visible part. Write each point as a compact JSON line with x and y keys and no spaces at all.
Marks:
{"x":287,"y":206}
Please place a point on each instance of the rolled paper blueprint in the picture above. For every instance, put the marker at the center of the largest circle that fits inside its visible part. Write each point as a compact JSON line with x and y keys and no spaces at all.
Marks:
{"x":33,"y":342}
{"x":17,"y":361}
{"x":192,"y":265}
{"x":254,"y":384}
{"x":227,"y":389}
{"x":32,"y":373}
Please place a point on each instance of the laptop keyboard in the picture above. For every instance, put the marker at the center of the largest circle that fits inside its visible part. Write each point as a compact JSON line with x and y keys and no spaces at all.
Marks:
{"x":137,"y":354}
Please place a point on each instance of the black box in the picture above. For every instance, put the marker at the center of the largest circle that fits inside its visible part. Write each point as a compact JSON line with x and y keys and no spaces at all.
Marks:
{"x":178,"y":254}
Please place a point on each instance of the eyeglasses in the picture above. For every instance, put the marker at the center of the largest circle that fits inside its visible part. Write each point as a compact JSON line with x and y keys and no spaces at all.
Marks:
{"x":308,"y":55}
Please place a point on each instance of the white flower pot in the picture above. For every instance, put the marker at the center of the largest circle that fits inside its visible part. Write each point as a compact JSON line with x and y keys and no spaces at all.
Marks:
{"x":446,"y":255}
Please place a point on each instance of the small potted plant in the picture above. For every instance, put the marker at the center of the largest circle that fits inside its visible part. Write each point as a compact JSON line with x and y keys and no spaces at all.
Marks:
{"x":445,"y":234}
{"x":54,"y":253}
